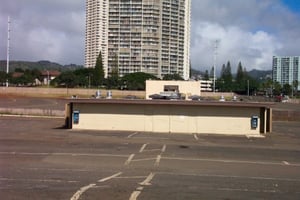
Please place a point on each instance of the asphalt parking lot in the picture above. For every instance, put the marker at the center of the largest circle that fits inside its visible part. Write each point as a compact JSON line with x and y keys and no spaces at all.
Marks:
{"x":41,"y":160}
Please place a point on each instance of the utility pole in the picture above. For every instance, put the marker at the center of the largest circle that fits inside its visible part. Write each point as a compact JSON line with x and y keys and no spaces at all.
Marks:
{"x":215,"y":62}
{"x":248,"y":91}
{"x":7,"y":56}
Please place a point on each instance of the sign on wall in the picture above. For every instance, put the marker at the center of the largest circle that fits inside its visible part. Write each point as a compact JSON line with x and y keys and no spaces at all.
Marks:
{"x":76,"y":117}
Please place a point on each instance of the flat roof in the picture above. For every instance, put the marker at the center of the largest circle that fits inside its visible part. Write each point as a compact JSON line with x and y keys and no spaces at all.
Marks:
{"x":173,"y":102}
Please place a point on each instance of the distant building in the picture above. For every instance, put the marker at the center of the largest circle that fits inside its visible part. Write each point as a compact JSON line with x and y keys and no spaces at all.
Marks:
{"x":206,"y":85}
{"x":48,"y":76}
{"x":151,"y":36}
{"x":186,"y":88}
{"x":286,"y":69}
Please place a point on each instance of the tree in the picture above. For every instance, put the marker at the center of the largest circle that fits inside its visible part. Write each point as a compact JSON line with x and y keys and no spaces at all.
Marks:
{"x":277,"y":89}
{"x":295,"y":85}
{"x":36,"y":74}
{"x":67,"y":79}
{"x":267,"y":87}
{"x":225,"y":82}
{"x":228,"y":77}
{"x":84,"y":75}
{"x":172,"y":77}
{"x":22,"y":77}
{"x":78,"y":78}
{"x":206,"y":75}
{"x":211,"y":73}
{"x":241,"y":80}
{"x":3,"y":77}
{"x":19,"y":70}
{"x":223,"y":71}
{"x":98,"y":75}
{"x":113,"y":79}
{"x":137,"y":81}
{"x":287,"y":89}
{"x":240,"y":75}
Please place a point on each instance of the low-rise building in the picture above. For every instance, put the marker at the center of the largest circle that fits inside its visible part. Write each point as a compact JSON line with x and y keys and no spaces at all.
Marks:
{"x":49,"y":75}
{"x":185,"y":88}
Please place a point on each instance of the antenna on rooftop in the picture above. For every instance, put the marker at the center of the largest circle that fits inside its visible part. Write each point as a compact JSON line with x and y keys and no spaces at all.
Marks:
{"x":7,"y":56}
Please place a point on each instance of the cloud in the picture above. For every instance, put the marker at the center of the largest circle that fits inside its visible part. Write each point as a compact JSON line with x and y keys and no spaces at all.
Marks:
{"x":250,"y":31}
{"x":44,"y":30}
{"x":254,"y":50}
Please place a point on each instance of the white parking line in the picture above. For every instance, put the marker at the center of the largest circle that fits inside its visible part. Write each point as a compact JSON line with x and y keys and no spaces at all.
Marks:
{"x":77,"y":195}
{"x":195,"y":136}
{"x":129,"y":159}
{"x":143,"y":159}
{"x":142,"y":148}
{"x":231,"y":161}
{"x":110,"y":177}
{"x":230,"y":176}
{"x":151,"y":150}
{"x":164,"y":148}
{"x":285,"y":162}
{"x":55,"y":169}
{"x":61,"y":154}
{"x":82,"y":190}
{"x":134,"y":195}
{"x":148,"y":179}
{"x":130,"y":177}
{"x":38,"y":180}
{"x":157,"y":160}
{"x":133,"y":134}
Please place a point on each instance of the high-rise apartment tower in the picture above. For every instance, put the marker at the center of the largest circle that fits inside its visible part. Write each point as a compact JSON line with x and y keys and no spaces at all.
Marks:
{"x":286,"y":69}
{"x":151,"y":36}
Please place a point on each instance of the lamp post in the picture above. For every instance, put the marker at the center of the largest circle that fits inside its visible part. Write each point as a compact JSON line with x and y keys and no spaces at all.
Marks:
{"x":248,"y":91}
{"x":48,"y":78}
{"x":7,"y":59}
{"x":215,"y":64}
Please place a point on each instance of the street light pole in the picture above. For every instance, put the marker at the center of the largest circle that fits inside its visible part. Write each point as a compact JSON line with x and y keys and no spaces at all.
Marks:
{"x":48,"y":78}
{"x":7,"y":58}
{"x":248,"y":92}
{"x":215,"y":63}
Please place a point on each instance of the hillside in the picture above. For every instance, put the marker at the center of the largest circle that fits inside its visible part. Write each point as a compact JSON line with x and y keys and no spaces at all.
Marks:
{"x":40,"y":65}
{"x":260,"y":74}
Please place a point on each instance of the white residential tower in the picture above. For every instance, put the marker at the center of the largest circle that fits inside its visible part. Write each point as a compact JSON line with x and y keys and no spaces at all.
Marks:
{"x":151,"y":36}
{"x":286,"y":69}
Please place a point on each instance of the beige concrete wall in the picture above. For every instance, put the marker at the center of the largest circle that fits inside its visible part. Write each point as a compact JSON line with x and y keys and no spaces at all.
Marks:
{"x":65,"y":92}
{"x":167,"y":118}
{"x":186,"y":87}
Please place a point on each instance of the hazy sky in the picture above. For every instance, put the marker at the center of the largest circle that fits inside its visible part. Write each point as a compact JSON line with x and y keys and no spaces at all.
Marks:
{"x":250,"y":31}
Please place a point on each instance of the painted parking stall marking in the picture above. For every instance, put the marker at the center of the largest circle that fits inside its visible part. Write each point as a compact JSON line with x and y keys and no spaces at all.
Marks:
{"x":83,"y":189}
